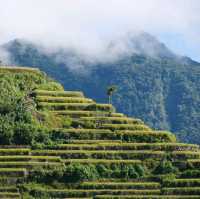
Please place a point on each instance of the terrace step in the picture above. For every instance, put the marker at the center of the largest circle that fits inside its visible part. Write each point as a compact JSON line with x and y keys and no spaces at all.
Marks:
{"x":86,"y":142}
{"x":59,"y":93}
{"x":189,"y":182}
{"x":13,"y":172}
{"x":88,"y":193}
{"x":28,"y":165}
{"x":146,"y":197}
{"x":119,"y":145}
{"x":181,"y":191}
{"x":30,"y":158}
{"x":102,"y":154}
{"x":102,"y":161}
{"x":16,"y":69}
{"x":112,"y":120}
{"x":15,"y":151}
{"x":133,"y":127}
{"x":8,"y":195}
{"x":50,"y":99}
{"x":6,"y":180}
{"x":75,"y":106}
{"x":124,"y":135}
{"x":119,"y":185}
{"x":78,"y":114}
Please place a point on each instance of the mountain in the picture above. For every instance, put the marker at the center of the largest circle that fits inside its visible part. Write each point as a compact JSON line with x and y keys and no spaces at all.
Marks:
{"x":61,"y":144}
{"x":154,"y":84}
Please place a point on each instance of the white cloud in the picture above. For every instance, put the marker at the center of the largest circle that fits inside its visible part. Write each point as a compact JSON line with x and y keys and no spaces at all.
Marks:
{"x":89,"y":24}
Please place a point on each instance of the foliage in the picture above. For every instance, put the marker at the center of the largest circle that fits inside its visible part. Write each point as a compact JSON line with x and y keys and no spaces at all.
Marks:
{"x":51,"y":86}
{"x":165,"y":167}
{"x":163,"y":91}
{"x":20,"y":123}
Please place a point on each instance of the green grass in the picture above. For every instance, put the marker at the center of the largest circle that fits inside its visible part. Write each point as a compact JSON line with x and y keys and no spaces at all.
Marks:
{"x":30,"y":158}
{"x":182,"y":191}
{"x":59,"y":93}
{"x":103,"y":161}
{"x":8,"y":195}
{"x":14,"y":69}
{"x":15,"y":151}
{"x":113,"y":120}
{"x":146,"y":136}
{"x":29,"y":165}
{"x":133,"y":127}
{"x":101,"y":154}
{"x":146,"y":197}
{"x":180,"y":155}
{"x":78,"y":114}
{"x":93,"y":192}
{"x":193,"y":182}
{"x":119,"y":185}
{"x":76,"y":106}
{"x":117,"y":115}
{"x":105,"y":134}
{"x":50,"y":99}
{"x":110,"y":145}
{"x":13,"y":172}
{"x":93,"y":142}
{"x":8,"y":189}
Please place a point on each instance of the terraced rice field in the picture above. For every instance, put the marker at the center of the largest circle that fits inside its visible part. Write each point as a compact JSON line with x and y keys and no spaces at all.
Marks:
{"x":104,"y":139}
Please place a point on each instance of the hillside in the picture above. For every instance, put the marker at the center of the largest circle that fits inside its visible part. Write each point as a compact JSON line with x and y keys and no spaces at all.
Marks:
{"x":155,"y":85}
{"x":61,"y":144}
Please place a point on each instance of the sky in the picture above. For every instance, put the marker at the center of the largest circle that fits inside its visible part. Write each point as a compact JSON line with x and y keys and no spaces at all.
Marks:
{"x":88,"y":24}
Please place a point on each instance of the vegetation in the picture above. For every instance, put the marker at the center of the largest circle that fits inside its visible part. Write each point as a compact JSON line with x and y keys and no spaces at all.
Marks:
{"x":163,"y":91}
{"x":59,"y":144}
{"x":110,"y":91}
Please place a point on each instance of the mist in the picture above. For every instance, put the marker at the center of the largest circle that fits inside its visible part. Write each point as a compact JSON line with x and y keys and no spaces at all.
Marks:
{"x":89,"y":27}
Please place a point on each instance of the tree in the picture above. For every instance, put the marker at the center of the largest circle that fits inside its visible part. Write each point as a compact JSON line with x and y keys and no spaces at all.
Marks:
{"x":110,"y":91}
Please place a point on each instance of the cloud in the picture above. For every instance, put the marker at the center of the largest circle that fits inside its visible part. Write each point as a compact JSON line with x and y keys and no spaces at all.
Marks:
{"x":88,"y":25}
{"x":4,"y":57}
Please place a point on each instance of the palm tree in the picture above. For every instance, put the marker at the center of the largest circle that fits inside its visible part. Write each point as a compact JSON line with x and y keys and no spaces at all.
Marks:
{"x":110,"y":90}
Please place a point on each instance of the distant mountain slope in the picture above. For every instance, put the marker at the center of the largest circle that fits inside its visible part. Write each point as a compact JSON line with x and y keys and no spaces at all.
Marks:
{"x":159,"y":87}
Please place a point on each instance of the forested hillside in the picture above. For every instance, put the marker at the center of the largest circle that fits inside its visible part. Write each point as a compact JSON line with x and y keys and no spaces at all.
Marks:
{"x":61,"y":144}
{"x":162,"y":89}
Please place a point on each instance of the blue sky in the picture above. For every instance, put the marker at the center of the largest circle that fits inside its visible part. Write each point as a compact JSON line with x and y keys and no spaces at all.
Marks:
{"x":180,"y":45}
{"x":89,"y":24}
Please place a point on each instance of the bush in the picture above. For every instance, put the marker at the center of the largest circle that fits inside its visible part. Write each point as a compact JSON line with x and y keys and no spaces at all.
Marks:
{"x":24,"y":133}
{"x":78,"y":172}
{"x":46,"y":176}
{"x":66,"y":122}
{"x":6,"y":130}
{"x":165,"y":167}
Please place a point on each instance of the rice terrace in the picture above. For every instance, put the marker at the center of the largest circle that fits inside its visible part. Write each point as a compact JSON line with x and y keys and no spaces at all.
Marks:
{"x":61,"y":144}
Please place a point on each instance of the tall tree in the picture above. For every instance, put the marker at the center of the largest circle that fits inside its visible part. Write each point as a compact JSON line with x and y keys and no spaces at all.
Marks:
{"x":110,"y":91}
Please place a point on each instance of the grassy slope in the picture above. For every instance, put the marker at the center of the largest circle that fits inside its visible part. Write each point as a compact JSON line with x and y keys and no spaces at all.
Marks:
{"x":98,"y":155}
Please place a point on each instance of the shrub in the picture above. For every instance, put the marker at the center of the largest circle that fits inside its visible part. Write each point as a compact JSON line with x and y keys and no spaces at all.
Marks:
{"x":46,"y":176}
{"x":66,"y":122}
{"x":6,"y":130}
{"x":78,"y":172}
{"x":190,"y":174}
{"x":24,"y":133}
{"x":165,"y":167}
